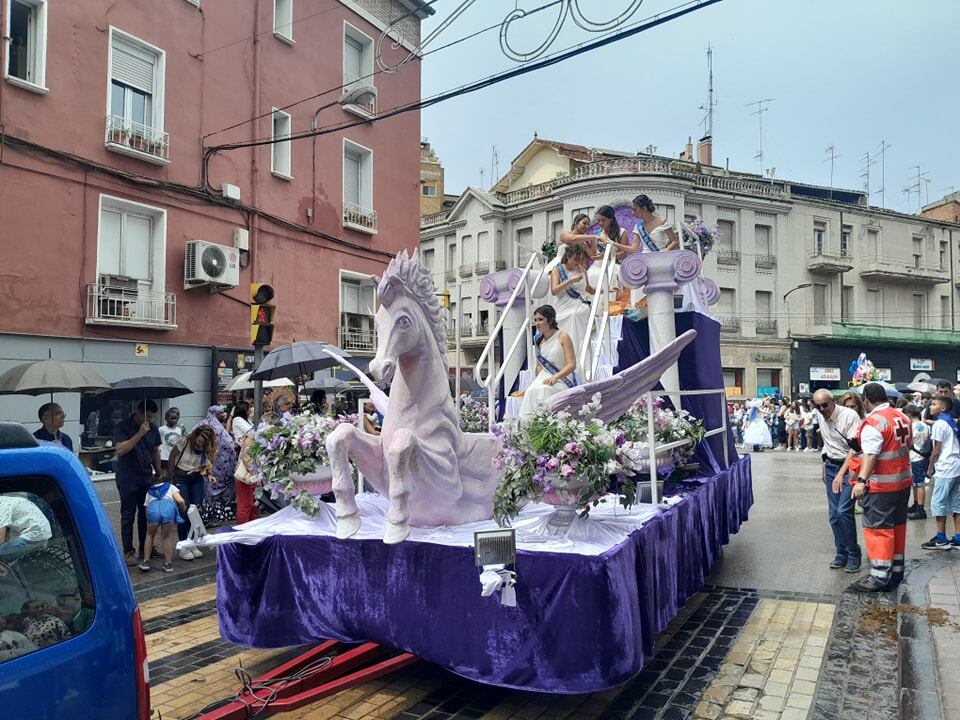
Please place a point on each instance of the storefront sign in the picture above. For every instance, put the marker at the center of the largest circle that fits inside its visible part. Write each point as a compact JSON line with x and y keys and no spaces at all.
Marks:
{"x":767,"y":390}
{"x":825,"y":374}
{"x":769,"y":357}
{"x":886,"y":374}
{"x":925,"y":364}
{"x":803,"y":388}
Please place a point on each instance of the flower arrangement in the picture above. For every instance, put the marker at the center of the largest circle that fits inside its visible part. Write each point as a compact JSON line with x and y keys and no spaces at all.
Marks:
{"x":862,"y":371}
{"x":548,"y":452}
{"x":294,"y":447}
{"x":697,"y":232}
{"x":549,"y":249}
{"x":474,"y":417}
{"x":669,"y":426}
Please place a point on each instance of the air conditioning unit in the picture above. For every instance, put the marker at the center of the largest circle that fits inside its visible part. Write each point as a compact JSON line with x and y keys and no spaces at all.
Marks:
{"x":210,"y":265}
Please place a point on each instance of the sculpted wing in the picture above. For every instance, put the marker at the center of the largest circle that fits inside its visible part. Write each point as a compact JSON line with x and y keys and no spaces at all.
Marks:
{"x":620,"y":391}
{"x":377,"y":396}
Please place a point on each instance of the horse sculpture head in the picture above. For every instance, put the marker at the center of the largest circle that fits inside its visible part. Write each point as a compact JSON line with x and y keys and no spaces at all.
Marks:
{"x":410,"y":319}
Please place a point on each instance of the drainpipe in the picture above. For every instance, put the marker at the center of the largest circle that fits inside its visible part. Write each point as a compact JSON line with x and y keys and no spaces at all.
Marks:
{"x":255,"y":194}
{"x":842,"y":314}
{"x":953,"y":289}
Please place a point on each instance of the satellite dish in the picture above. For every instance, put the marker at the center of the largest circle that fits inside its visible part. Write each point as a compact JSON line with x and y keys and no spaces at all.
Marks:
{"x":214,"y":261}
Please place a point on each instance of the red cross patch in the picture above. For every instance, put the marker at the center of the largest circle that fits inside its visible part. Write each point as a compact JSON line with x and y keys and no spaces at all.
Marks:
{"x":902,"y":431}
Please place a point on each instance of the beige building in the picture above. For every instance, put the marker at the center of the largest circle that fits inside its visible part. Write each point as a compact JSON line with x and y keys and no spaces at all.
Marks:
{"x":809,"y":276}
{"x":946,"y":209}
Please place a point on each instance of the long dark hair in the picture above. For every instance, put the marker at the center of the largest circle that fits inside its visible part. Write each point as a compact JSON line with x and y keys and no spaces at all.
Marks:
{"x":550,"y":315}
{"x":572,"y":252}
{"x":241,"y":409}
{"x":608,"y":212}
{"x":577,"y":218}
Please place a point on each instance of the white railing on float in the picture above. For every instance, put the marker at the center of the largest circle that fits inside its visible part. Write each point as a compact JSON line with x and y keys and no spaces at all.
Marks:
{"x":598,"y":335}
{"x":492,"y":381}
{"x":651,"y":432}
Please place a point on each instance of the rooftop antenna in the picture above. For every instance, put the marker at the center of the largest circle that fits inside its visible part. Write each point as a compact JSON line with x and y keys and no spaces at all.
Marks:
{"x":711,"y":103}
{"x":832,"y":156}
{"x":761,"y":109}
{"x":867,"y":162}
{"x":882,"y":149}
{"x":482,"y":187}
{"x":906,"y":191}
{"x":917,"y":185}
{"x":494,"y":163}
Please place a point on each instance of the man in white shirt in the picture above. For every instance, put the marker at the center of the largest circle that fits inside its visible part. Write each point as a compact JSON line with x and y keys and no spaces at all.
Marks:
{"x":23,"y":526}
{"x":945,"y":466}
{"x":837,"y":425}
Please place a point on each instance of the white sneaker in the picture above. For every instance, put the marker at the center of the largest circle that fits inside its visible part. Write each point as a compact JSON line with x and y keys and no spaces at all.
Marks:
{"x":185,"y":554}
{"x":196,"y":552}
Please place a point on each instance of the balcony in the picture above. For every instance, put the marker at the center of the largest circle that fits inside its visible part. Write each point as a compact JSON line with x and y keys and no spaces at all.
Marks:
{"x":766,"y":327}
{"x":450,"y":276}
{"x":481,"y":268}
{"x":130,"y":307}
{"x":364,"y":341}
{"x":466,"y":330}
{"x":499,"y":265}
{"x":726,"y":256}
{"x":826,"y":262}
{"x":139,"y":141}
{"x":765,"y":262}
{"x":433,"y":218}
{"x":884,"y":335}
{"x":359,"y":97}
{"x":466,"y":270}
{"x":892,"y":270}
{"x":729,"y":324}
{"x":357,"y":217}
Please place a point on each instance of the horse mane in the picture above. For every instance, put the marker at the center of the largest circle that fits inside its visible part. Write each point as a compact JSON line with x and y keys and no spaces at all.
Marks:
{"x":418,"y":282}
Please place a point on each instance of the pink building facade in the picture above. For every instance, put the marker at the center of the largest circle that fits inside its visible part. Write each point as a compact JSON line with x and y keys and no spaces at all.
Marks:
{"x":122,"y":225}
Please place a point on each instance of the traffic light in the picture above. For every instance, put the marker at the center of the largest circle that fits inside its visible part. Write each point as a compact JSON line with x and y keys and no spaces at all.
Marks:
{"x":261,"y":314}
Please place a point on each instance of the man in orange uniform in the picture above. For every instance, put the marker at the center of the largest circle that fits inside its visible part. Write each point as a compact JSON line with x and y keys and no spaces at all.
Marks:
{"x":883,"y":483}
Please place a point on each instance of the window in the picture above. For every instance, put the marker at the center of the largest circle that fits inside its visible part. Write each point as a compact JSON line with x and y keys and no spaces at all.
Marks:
{"x":135,"y":99}
{"x":556,"y":227}
{"x":726,"y":305}
{"x":469,"y":250}
{"x":917,"y":251}
{"x":726,"y":235}
{"x":768,"y":380}
{"x":358,"y":210}
{"x":919,"y":310}
{"x":132,"y":241}
{"x":819,"y":304}
{"x":451,"y":255}
{"x":357,"y":57}
{"x":846,"y":303}
{"x":357,"y":305}
{"x":428,"y":190}
{"x":283,"y":20}
{"x":874,"y":306}
{"x":873,"y":243}
{"x":943,"y":255}
{"x":946,"y":313}
{"x":763,"y":305}
{"x":846,"y":232}
{"x":428,"y":259}
{"x":483,"y":246}
{"x":819,"y":237}
{"x":524,"y":245}
{"x":280,"y":152}
{"x":27,"y":43}
{"x":47,"y":590}
{"x":733,"y":378}
{"x":763,"y":237}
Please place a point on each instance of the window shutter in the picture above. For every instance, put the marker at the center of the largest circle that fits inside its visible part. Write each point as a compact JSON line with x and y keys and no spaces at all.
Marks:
{"x":110,"y":224}
{"x":136,"y":246}
{"x":352,"y":59}
{"x":351,"y":177}
{"x":133,"y":68}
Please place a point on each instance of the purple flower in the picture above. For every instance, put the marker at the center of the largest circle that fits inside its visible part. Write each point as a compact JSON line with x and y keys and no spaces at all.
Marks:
{"x":542,"y":461}
{"x":621,"y":439}
{"x":552,"y":464}
{"x":548,"y":488}
{"x":497,"y":463}
{"x":566,"y":470}
{"x":539,"y":476}
{"x":572,"y":448}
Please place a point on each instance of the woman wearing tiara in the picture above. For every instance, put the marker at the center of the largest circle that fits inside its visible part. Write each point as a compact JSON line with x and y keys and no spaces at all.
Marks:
{"x":556,"y":362}
{"x":573,"y":294}
{"x":577,"y":235}
{"x":659,"y":236}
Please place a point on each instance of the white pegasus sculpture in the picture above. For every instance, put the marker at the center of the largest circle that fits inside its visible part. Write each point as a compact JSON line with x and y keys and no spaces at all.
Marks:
{"x":432,"y":472}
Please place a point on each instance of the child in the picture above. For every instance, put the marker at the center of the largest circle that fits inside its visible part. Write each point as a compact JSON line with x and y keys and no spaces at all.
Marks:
{"x":161,"y":502}
{"x":945,"y":464}
{"x":919,"y":461}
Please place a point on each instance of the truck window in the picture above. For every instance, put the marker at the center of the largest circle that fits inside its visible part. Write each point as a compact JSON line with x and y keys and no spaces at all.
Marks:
{"x":45,"y":591}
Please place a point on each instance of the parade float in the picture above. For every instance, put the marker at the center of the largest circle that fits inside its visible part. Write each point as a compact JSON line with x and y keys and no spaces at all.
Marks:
{"x":591,"y":574}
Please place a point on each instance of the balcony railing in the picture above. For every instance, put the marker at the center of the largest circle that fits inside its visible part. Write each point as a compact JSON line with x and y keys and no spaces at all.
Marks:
{"x":136,"y":140}
{"x":729,"y":324}
{"x":828,"y":262}
{"x":499,"y":265}
{"x":115,"y":305}
{"x":894,"y":270}
{"x":358,"y":340}
{"x":481,"y":268}
{"x":364,"y":102}
{"x":466,"y":330}
{"x":766,"y":327}
{"x":466,"y":270}
{"x":726,"y":256}
{"x":450,"y":276}
{"x":433,"y":218}
{"x":483,"y":329}
{"x":359,"y":218}
{"x":765,"y":262}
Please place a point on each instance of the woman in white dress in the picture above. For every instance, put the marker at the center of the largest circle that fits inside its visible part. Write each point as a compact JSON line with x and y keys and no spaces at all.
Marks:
{"x":572,"y":294}
{"x":556,"y":362}
{"x":756,"y":433}
{"x":577,"y":235}
{"x":652,"y":233}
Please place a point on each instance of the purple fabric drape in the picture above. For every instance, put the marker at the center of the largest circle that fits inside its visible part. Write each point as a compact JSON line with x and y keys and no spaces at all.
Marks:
{"x":581,"y":623}
{"x":699,"y":368}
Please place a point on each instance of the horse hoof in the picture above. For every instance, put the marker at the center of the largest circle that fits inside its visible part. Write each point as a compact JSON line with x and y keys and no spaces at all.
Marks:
{"x":348,"y":526}
{"x":396,"y":533}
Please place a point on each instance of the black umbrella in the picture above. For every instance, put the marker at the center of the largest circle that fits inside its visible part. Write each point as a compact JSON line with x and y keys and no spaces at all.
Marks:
{"x":467,"y":384}
{"x":141,"y":388}
{"x":296,"y":360}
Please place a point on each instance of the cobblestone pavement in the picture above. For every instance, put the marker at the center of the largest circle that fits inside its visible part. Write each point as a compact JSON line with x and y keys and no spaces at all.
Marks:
{"x":776,"y":637}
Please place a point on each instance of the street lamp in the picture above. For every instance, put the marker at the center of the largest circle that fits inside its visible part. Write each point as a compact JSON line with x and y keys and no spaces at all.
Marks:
{"x":789,"y":325}
{"x":798,"y":287}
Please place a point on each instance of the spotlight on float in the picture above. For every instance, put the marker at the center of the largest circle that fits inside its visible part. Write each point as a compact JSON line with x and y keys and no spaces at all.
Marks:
{"x":496,"y":553}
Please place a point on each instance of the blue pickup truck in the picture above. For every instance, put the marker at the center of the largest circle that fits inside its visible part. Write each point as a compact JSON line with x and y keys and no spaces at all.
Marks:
{"x":71,"y":640}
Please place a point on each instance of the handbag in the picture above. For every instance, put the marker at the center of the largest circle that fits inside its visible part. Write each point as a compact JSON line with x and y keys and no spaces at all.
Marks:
{"x":241,"y":473}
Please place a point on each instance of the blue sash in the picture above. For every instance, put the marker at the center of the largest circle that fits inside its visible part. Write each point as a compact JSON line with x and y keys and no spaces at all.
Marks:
{"x":575,"y":294}
{"x":645,"y":236}
{"x":948,"y":419}
{"x":570,"y":380}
